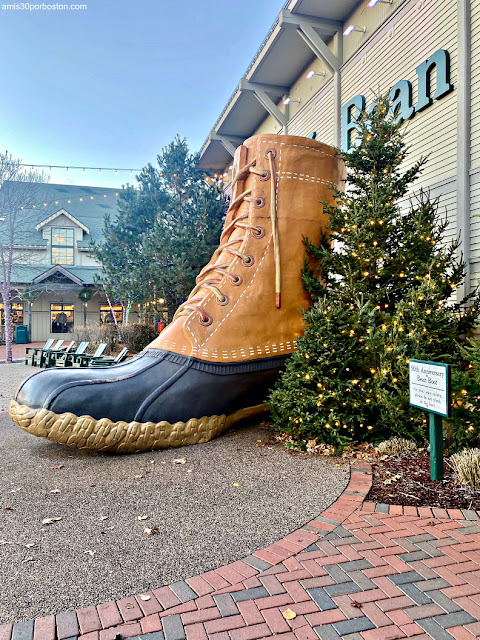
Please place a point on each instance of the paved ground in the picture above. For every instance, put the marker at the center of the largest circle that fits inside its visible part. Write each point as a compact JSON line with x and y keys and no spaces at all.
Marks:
{"x":99,"y":549}
{"x":357,"y":572}
{"x":18,"y":350}
{"x":11,"y":375}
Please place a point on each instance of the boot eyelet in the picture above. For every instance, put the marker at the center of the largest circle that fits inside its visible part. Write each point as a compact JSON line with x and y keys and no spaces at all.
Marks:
{"x":259,"y":202}
{"x":249,"y":261}
{"x":207,"y":322}
{"x":237,"y":281}
{"x":258,"y":233}
{"x":223,"y":302}
{"x":266,"y":175}
{"x":270,"y":151}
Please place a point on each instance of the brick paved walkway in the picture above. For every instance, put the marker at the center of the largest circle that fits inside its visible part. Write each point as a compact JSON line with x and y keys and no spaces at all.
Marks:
{"x":359,"y":571}
{"x":18,"y":350}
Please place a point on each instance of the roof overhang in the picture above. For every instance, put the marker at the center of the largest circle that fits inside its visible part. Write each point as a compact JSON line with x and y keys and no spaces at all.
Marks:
{"x":62,"y":212}
{"x":281,"y":58}
{"x":57,"y":269}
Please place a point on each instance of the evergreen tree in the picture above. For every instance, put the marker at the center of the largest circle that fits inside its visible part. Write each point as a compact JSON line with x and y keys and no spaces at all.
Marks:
{"x":121,"y":253}
{"x":165,"y":231}
{"x":383,"y":295}
{"x":187,"y":230}
{"x":463,"y":428}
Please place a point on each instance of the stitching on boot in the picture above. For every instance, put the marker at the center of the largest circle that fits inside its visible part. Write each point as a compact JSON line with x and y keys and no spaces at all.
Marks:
{"x":302,"y":176}
{"x":198,"y":347}
{"x":190,"y":318}
{"x":302,"y":146}
{"x":246,"y":290}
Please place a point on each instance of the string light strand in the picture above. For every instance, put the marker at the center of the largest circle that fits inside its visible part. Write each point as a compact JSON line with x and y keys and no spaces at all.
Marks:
{"x":69,"y":201}
{"x":84,"y":169}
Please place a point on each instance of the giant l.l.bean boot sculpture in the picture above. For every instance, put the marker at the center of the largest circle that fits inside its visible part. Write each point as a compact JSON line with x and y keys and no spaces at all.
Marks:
{"x":214,"y":364}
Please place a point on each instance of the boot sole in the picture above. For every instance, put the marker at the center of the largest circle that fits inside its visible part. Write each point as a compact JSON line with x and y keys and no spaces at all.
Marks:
{"x":85,"y":432}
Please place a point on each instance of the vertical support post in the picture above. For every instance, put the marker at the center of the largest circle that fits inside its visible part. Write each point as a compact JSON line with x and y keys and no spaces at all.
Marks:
{"x":337,"y":90}
{"x":155,"y":307}
{"x":436,"y":446}
{"x":463,"y":87}
{"x":286,"y":111}
{"x":30,"y":321}
{"x":84,"y":314}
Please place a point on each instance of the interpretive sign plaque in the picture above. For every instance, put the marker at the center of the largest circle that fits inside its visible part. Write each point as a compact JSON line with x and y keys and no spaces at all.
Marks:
{"x":429,"y":384}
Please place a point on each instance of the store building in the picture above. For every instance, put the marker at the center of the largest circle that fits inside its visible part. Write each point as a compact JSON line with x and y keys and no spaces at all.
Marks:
{"x":54,"y":269}
{"x":323,"y":59}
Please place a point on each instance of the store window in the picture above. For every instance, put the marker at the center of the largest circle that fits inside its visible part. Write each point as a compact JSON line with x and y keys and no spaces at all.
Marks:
{"x":61,"y":317}
{"x":16,"y":310}
{"x":106,"y":313}
{"x":62,"y":245}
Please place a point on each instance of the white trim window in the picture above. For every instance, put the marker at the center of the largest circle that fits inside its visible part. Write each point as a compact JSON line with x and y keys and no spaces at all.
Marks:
{"x":62,"y":245}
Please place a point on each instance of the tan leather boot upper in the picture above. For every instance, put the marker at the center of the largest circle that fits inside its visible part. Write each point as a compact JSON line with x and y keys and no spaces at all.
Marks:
{"x":235,"y":315}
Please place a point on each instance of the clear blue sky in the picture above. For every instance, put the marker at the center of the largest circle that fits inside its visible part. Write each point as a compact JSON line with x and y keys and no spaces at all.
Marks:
{"x":112,"y":85}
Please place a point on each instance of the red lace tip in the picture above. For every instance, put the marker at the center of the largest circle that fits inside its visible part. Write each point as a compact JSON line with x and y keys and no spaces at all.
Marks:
{"x":278,"y":300}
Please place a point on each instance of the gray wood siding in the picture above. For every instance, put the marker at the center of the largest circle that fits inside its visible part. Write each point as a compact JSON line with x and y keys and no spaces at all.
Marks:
{"x":317,"y":115}
{"x":475,"y":79}
{"x":475,"y":145}
{"x":408,"y":39}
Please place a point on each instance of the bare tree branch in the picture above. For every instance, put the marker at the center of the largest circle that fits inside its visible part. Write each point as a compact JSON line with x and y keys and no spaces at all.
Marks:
{"x":20,"y":196}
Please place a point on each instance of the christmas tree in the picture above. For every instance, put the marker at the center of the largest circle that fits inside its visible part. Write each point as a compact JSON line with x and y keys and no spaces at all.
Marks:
{"x":463,"y":428}
{"x":383,"y":293}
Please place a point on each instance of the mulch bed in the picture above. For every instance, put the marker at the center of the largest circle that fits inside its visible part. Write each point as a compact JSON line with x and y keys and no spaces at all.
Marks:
{"x":406,"y":481}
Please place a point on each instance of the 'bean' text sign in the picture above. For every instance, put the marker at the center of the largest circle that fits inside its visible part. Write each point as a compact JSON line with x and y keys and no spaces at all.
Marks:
{"x":429,"y":384}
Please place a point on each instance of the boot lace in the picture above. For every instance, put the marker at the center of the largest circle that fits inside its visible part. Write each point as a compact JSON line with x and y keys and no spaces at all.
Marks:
{"x":211,"y":275}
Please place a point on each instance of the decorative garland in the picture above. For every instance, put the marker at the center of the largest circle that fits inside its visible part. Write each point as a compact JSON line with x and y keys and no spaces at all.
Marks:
{"x":85,"y":294}
{"x":30,"y":295}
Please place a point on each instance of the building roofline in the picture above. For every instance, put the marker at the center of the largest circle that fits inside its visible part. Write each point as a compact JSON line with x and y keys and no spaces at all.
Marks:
{"x":57,"y":268}
{"x":342,"y":10}
{"x":252,"y":62}
{"x":62,"y":212}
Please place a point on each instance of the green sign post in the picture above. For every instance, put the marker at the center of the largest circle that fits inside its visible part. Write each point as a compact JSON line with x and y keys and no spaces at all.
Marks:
{"x":430,"y":389}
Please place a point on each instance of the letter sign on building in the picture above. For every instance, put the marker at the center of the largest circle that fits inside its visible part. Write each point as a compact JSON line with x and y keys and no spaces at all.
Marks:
{"x":401,"y":95}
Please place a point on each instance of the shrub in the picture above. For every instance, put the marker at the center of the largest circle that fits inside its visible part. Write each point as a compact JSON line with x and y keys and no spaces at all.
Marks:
{"x":396,"y":447}
{"x":466,"y":465}
{"x":133,"y":336}
{"x":137,"y":336}
{"x":95,"y":334}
